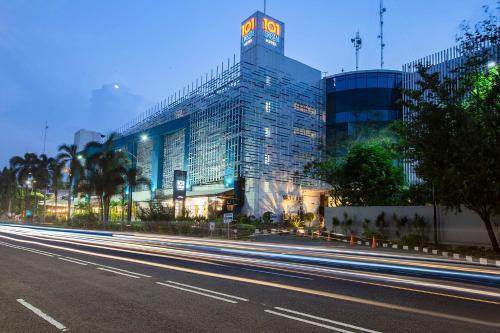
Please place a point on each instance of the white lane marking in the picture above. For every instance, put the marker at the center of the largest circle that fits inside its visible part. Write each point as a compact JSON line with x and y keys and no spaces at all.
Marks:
{"x":42,"y":315}
{"x":288,"y":275}
{"x":197,"y":292}
{"x":209,"y":291}
{"x":87,"y":262}
{"x":327,"y":320}
{"x":75,"y":262}
{"x":27,"y":249}
{"x":109,"y":270}
{"x":308,"y":321}
{"x":113,"y":268}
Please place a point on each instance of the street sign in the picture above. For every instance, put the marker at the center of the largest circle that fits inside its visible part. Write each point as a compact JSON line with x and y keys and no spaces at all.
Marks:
{"x":228,"y":218}
{"x":273,"y":218}
{"x":212,"y":226}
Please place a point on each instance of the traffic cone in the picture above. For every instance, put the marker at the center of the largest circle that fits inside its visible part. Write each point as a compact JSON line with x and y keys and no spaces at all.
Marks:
{"x":352,"y":240}
{"x":374,"y":243}
{"x":329,"y":236}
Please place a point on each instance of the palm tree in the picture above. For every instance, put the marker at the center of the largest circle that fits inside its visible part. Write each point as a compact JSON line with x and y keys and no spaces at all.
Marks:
{"x":24,"y":169}
{"x":69,"y":155}
{"x":106,"y":170}
{"x":44,"y":174}
{"x":132,"y":179}
{"x":56,"y":170}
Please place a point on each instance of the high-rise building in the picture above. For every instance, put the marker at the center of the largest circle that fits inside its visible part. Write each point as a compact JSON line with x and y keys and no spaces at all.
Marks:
{"x":359,"y":104}
{"x":82,"y":137}
{"x":243,"y":133}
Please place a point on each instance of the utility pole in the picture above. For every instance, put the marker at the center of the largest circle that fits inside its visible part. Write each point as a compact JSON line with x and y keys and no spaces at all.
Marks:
{"x":381,"y":35}
{"x":356,"y":42}
{"x":45,"y":136}
{"x":47,"y":180}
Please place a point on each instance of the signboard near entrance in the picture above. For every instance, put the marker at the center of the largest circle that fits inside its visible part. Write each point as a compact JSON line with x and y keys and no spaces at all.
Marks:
{"x":228,"y":218}
{"x":212,"y":226}
{"x":179,"y":185}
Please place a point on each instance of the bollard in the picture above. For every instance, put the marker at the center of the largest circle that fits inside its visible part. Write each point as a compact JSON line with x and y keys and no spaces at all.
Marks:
{"x":352,"y":240}
{"x":374,"y":243}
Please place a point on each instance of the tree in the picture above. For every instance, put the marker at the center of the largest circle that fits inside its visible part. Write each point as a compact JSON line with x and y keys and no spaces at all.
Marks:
{"x":106,"y":169}
{"x":132,"y":179}
{"x":368,"y":175}
{"x":8,"y":185}
{"x":24,"y":168}
{"x":69,"y":155}
{"x":453,"y":132}
{"x":56,"y":168}
{"x":43,"y":176}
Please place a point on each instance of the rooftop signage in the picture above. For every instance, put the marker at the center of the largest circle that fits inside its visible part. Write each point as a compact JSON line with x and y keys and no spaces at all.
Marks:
{"x":260,"y":29}
{"x":272,"y":31}
{"x":248,"y":31}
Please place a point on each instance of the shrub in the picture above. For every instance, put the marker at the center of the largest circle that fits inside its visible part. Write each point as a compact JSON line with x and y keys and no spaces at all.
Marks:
{"x":155,"y":212}
{"x":296,"y":222}
{"x":381,"y":223}
{"x":266,"y":217}
{"x":346,"y":224}
{"x":85,"y":220}
{"x":335,"y":222}
{"x":309,"y":217}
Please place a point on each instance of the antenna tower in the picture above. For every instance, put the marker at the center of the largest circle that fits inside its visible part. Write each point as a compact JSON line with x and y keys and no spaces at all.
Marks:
{"x":356,"y":42}
{"x":381,"y":36}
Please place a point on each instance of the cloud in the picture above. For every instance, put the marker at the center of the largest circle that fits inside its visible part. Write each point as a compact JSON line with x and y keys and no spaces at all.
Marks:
{"x":114,"y":104}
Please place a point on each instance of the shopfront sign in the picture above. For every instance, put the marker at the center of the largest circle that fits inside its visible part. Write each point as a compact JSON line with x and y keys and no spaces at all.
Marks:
{"x":179,"y":185}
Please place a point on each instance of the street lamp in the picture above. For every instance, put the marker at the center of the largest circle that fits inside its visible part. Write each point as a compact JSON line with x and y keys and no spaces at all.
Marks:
{"x":491,"y":64}
{"x":144,"y":137}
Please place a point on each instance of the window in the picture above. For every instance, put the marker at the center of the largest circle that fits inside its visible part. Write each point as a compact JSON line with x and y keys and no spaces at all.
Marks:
{"x":267,"y":107}
{"x":304,"y":132}
{"x":267,"y":132}
{"x":304,"y":108}
{"x":267,"y":159}
{"x":268,"y":80}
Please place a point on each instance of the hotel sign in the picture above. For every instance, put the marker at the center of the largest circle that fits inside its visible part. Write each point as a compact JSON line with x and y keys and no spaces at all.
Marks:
{"x":248,"y":31}
{"x":263,"y":30}
{"x":272,"y":31}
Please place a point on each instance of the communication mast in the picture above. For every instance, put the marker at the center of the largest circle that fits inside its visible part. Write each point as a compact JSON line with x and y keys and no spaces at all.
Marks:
{"x":356,"y":41}
{"x":381,"y":36}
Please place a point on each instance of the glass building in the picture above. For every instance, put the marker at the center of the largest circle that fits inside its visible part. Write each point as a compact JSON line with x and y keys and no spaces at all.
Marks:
{"x":242,"y":132}
{"x":360,"y":104}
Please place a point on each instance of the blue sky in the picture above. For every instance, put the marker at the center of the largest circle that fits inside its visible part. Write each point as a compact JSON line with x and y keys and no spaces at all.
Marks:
{"x":60,"y":60}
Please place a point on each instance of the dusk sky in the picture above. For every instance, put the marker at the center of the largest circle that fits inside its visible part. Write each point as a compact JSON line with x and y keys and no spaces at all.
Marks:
{"x":60,"y":60}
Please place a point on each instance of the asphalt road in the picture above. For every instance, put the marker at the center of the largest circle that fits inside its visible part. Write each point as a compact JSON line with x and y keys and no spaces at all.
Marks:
{"x":54,"y":280}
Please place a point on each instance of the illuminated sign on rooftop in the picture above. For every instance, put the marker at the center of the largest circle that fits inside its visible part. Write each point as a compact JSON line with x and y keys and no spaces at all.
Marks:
{"x":248,"y":31}
{"x":272,"y":31}
{"x":263,"y":30}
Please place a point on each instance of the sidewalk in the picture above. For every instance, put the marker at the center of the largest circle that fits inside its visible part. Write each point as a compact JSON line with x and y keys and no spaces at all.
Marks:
{"x":407,"y":251}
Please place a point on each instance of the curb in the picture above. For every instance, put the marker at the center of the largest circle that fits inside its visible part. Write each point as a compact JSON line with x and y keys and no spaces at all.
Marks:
{"x":456,"y":256}
{"x":450,"y":255}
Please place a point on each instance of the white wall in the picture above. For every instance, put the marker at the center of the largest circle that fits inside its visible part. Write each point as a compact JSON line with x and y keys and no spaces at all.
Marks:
{"x":464,"y":228}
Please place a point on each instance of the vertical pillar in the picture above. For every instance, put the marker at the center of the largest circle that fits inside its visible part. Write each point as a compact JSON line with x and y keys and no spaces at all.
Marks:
{"x":156,"y":164}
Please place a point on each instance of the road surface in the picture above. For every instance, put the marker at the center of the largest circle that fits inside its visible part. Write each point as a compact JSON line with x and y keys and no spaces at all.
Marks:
{"x":54,"y":280}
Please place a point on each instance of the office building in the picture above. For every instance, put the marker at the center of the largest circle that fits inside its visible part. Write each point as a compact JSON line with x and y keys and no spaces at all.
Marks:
{"x":242,"y":132}
{"x":359,"y":105}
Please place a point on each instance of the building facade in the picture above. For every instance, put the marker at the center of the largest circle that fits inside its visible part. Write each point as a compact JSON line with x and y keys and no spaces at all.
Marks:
{"x":446,"y":64}
{"x":359,"y":104}
{"x":243,"y":133}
